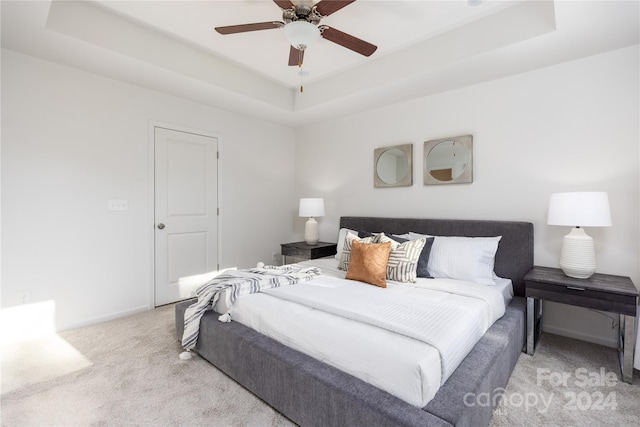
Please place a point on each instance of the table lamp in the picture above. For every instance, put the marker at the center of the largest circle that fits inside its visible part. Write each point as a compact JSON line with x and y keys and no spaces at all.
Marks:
{"x":311,"y":208}
{"x":582,"y":209}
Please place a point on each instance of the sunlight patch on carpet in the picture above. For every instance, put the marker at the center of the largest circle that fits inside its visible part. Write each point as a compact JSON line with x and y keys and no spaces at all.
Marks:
{"x":38,"y":360}
{"x":31,"y":351}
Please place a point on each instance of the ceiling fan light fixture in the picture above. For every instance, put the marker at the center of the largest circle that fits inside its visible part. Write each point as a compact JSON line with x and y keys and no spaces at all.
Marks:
{"x":301,"y":34}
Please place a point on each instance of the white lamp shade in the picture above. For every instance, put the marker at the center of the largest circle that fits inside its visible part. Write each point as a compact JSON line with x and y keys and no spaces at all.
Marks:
{"x":301,"y":34}
{"x":582,"y":209}
{"x":311,"y":207}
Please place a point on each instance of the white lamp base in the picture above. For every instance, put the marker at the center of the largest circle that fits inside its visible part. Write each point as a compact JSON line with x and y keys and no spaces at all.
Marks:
{"x":311,"y":232}
{"x":578,"y":255}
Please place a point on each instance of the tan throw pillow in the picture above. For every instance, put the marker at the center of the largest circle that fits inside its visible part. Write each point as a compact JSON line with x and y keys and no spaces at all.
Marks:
{"x":368,"y":262}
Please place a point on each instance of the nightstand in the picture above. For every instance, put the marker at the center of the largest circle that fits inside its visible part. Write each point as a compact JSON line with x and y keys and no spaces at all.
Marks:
{"x":304,"y":251}
{"x":615,"y":294}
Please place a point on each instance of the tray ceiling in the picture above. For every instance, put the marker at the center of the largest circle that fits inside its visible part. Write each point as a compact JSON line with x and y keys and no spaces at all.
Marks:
{"x":424,"y":47}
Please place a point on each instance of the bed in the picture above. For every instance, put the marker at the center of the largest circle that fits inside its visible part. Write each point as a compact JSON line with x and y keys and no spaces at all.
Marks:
{"x":311,"y":392}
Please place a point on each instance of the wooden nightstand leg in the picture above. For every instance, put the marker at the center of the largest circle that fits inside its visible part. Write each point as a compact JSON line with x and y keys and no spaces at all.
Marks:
{"x":628,"y":338}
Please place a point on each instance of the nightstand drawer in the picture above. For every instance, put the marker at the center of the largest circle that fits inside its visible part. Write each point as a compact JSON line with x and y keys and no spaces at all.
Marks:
{"x":304,"y":251}
{"x":583,"y":297}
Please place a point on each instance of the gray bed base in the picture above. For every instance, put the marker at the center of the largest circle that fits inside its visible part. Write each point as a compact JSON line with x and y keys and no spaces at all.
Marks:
{"x":311,"y":393}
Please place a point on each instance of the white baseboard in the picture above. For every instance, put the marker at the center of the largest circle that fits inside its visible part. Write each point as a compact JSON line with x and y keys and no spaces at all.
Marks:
{"x":580,"y":336}
{"x":105,"y":318}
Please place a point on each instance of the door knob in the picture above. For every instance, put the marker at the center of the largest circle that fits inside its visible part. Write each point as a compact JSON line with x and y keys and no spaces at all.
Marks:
{"x":160,"y":226}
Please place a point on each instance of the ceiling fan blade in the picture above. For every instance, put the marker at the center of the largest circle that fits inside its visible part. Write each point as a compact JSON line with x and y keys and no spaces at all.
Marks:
{"x":295,"y":56}
{"x":348,"y":41}
{"x":327,"y":7}
{"x":284,"y":4}
{"x":243,"y":28}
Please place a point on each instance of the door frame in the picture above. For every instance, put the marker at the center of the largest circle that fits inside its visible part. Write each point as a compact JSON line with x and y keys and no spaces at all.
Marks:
{"x":153,"y":124}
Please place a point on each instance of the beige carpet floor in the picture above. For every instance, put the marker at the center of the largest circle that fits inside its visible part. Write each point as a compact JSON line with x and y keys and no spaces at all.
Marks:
{"x":127,"y":372}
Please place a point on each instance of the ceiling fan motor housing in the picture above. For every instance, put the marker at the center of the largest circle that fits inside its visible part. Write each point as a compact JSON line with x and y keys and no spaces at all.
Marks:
{"x":301,"y":13}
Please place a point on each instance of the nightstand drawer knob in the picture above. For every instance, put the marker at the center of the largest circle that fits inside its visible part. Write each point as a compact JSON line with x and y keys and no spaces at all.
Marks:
{"x":575,"y":288}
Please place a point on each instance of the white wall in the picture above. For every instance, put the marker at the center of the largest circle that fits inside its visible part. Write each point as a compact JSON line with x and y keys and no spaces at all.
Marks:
{"x":569,"y":127}
{"x":71,"y":141}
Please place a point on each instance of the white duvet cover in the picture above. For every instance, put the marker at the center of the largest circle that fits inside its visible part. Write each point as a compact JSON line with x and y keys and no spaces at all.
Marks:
{"x":405,"y":339}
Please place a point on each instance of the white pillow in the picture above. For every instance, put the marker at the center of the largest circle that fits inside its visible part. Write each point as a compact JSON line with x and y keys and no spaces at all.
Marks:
{"x":464,"y":258}
{"x":341,"y":235}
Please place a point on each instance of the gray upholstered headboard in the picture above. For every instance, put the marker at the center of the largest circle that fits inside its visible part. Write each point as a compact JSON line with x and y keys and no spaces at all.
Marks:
{"x":515,"y":251}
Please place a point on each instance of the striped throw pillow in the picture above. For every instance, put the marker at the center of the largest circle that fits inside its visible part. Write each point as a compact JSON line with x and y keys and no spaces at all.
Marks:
{"x":403,"y":259}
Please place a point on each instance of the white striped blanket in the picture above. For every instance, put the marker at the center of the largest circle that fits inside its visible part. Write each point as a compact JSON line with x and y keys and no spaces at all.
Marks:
{"x":240,"y":282}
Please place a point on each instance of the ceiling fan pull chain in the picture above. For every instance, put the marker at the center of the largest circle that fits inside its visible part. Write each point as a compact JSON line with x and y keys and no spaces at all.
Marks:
{"x":300,"y":52}
{"x":301,"y":74}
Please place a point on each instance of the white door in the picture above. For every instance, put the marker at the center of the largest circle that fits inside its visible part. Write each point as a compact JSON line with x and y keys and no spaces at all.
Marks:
{"x":186,"y":205}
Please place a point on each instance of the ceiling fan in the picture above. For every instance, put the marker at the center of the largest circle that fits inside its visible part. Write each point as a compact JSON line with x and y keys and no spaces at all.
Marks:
{"x":301,"y":27}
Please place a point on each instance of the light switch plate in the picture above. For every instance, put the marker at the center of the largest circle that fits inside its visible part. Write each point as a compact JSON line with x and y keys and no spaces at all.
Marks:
{"x":118,"y":205}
